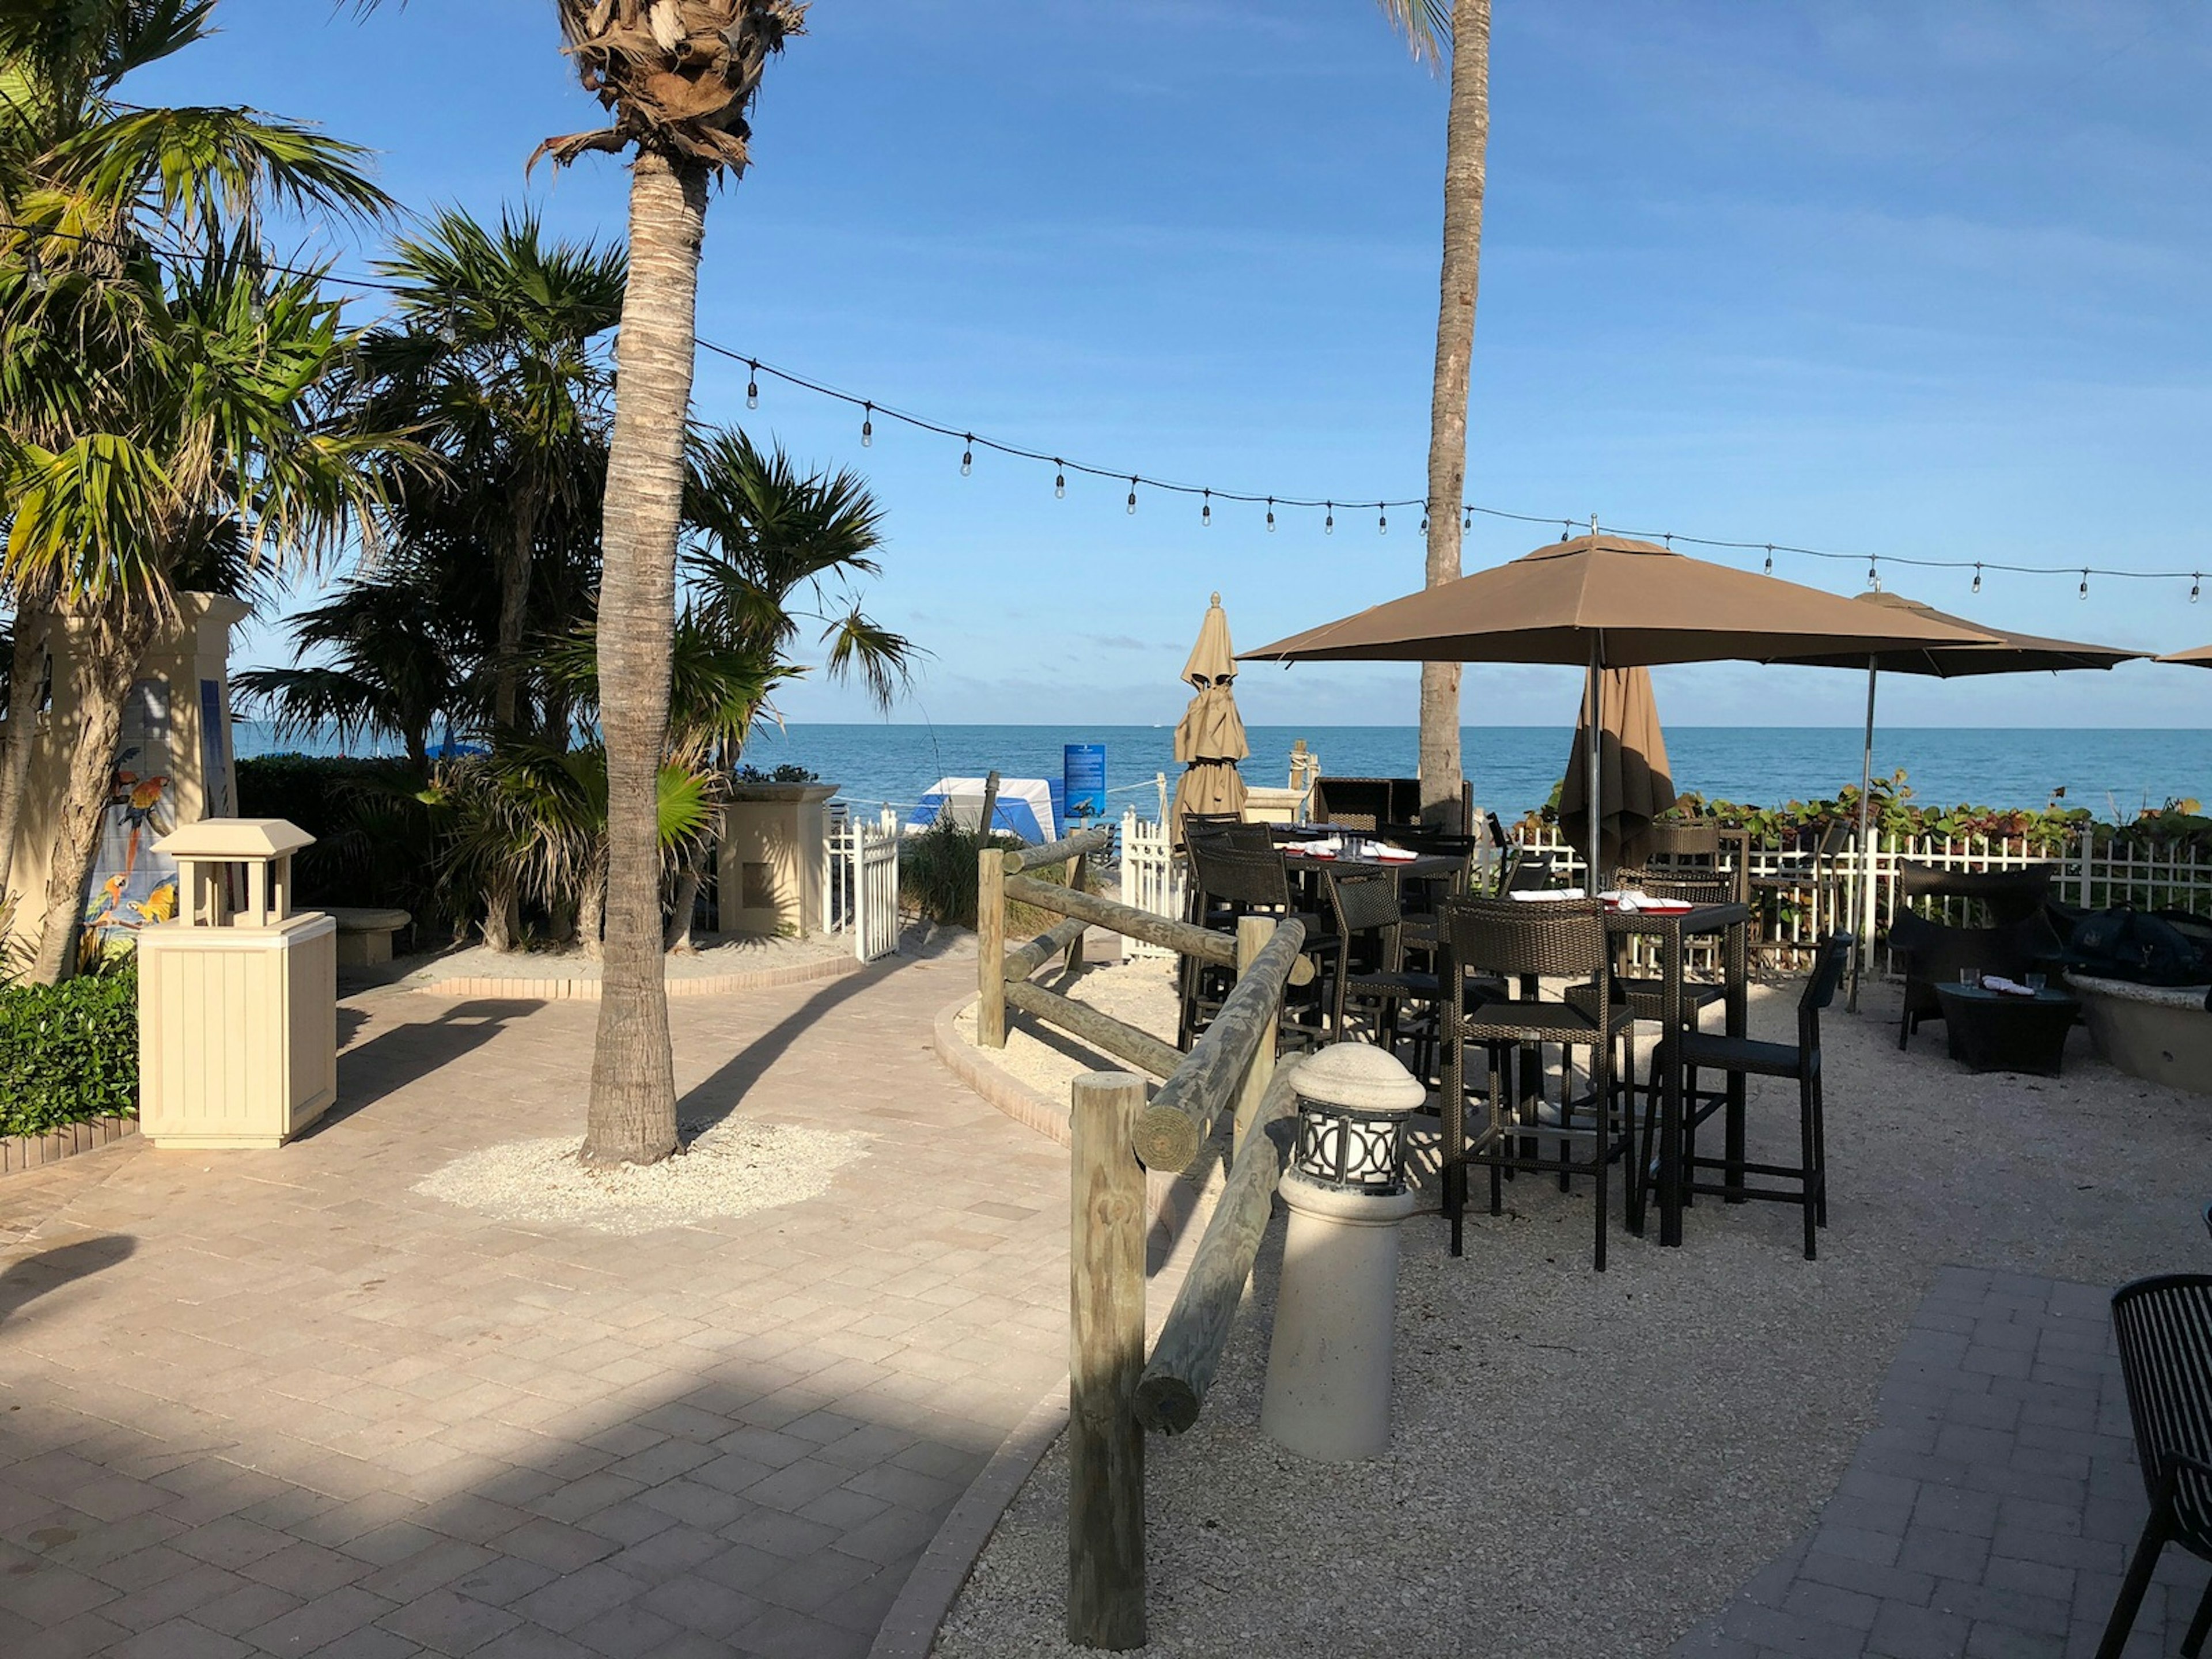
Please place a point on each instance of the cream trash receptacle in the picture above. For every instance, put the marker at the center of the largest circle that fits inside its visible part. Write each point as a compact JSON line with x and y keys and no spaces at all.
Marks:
{"x":1327,"y":1394}
{"x":237,"y":996}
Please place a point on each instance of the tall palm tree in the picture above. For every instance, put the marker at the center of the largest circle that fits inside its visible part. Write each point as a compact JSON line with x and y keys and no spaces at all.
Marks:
{"x":1430,"y":27}
{"x":678,"y":77}
{"x":493,"y":362}
{"x":160,"y":374}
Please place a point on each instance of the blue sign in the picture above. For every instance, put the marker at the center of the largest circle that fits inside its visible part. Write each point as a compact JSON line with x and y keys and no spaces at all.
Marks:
{"x":1083,"y":768}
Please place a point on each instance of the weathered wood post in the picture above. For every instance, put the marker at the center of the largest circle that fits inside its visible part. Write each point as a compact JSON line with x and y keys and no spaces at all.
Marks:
{"x":1079,"y":881}
{"x":1105,"y":1357}
{"x":991,"y":947}
{"x":1253,"y":933}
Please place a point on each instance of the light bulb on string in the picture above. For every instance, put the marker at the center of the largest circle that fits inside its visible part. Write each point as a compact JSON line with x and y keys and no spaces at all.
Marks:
{"x":2196,"y":586}
{"x":1424,"y":521}
{"x":867,"y":425}
{"x":1977,"y":578}
{"x":1381,"y":520}
{"x":1058,"y":478}
{"x":1271,"y":515}
{"x":1770,"y":558}
{"x":2085,"y":586}
{"x":1133,"y":493}
{"x":1205,"y":512}
{"x":1874,"y":576}
{"x":1566,"y":528}
{"x":1328,"y":523}
{"x":752,"y":384}
{"x":967,"y":455}
{"x":1467,"y":523}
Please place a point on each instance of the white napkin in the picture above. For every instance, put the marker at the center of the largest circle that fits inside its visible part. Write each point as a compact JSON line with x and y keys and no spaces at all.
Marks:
{"x":1543,"y":894}
{"x":1396,"y":854}
{"x":2004,"y":987}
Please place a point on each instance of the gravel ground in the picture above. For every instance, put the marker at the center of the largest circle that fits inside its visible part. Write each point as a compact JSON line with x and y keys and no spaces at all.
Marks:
{"x":733,"y":1167}
{"x":715,"y":955}
{"x":1588,"y":1465}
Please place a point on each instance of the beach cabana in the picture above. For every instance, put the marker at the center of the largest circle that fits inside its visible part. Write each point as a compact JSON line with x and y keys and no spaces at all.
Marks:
{"x":1210,"y":736}
{"x":1599,"y":602}
{"x":1027,"y":807}
{"x":2001,"y":652}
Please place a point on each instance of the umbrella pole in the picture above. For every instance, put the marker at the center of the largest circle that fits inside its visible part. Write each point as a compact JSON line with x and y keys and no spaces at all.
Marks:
{"x":1596,"y":714}
{"x":1866,"y":883}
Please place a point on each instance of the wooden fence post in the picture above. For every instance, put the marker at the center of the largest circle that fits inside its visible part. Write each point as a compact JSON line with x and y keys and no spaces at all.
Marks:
{"x":991,"y":947}
{"x":1106,"y":1356}
{"x":1253,"y":933}
{"x":1079,"y":881}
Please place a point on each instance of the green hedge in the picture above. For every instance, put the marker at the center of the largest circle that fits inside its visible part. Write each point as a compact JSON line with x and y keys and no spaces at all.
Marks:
{"x":69,"y":1052}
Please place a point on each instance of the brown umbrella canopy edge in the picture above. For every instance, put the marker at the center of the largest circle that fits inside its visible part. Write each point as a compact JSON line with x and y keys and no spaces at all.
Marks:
{"x":2005,"y":652}
{"x":2200,"y":657}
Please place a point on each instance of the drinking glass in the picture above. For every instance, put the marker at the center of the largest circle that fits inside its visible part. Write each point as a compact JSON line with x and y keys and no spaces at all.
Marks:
{"x":1970,"y":976}
{"x":2036,"y":981}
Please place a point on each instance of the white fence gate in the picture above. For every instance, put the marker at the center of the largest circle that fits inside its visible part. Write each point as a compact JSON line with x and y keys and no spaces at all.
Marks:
{"x":1152,"y":878}
{"x":860,"y":882}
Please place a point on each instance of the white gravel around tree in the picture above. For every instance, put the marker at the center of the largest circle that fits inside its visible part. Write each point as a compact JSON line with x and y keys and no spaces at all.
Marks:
{"x":734,"y":1167}
{"x":1587,"y":1464}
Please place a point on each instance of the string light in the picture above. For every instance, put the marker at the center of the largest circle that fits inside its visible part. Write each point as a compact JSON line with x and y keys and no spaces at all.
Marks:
{"x":1328,"y":524}
{"x":1271,"y":515}
{"x":1766,"y":550}
{"x":1874,"y":576}
{"x":967,"y":457}
{"x":1424,"y":521}
{"x":867,"y":425}
{"x":2085,"y":585}
{"x":2196,"y":587}
{"x":1059,"y":479}
{"x":1977,"y":578}
{"x":1381,"y":520}
{"x":1206,"y":513}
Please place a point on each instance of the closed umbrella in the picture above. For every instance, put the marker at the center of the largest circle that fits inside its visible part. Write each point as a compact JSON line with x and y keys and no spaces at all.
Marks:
{"x":1606,"y":602}
{"x":1210,"y":736}
{"x":1634,"y":781}
{"x":2001,"y":653}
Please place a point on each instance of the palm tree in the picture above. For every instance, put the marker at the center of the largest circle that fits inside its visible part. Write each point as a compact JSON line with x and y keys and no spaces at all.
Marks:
{"x":161,"y":376}
{"x":1429,"y":26}
{"x":679,"y":80}
{"x":493,"y":364}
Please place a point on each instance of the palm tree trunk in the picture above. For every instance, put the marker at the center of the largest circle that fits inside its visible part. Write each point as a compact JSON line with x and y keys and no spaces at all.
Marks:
{"x":1467,"y":138}
{"x":106,"y":657}
{"x":27,"y":676}
{"x":632,"y":1109}
{"x":591,"y":913}
{"x":513,"y":608}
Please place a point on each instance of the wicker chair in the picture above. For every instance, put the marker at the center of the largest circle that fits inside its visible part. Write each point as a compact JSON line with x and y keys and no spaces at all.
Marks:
{"x":1800,"y":1061}
{"x":1364,"y":905}
{"x":1363,"y":803}
{"x":2018,"y":941}
{"x":1678,"y":847}
{"x":1500,"y":943}
{"x":1229,"y":882}
{"x":2164,"y":1326}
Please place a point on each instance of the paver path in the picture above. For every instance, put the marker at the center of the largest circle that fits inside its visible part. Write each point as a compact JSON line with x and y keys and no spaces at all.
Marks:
{"x":279,"y":1403}
{"x":1991,"y":1512}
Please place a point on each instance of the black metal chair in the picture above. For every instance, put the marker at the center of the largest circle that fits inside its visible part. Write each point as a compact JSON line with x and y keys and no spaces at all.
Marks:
{"x":1530,"y":871}
{"x":1646,"y":994}
{"x":1800,"y":1060}
{"x":2164,"y":1326}
{"x":1364,"y":906}
{"x":1229,"y":882}
{"x":1499,"y":943}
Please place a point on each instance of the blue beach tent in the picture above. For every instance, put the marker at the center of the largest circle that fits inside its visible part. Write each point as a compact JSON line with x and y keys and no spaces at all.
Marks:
{"x":1031,"y":808}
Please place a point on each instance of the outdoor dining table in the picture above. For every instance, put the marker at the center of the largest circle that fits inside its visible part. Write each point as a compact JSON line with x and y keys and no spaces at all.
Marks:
{"x":1673,"y":929}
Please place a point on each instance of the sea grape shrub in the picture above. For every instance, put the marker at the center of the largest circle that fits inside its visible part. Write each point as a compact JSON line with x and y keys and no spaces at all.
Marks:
{"x":786,"y":773}
{"x":69,"y":1052}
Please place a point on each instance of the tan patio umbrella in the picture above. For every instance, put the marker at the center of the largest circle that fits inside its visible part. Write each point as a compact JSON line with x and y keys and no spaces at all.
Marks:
{"x":1634,"y":781}
{"x":1210,"y":738}
{"x":1606,"y":602}
{"x":2201,"y":657}
{"x":2003,"y":653}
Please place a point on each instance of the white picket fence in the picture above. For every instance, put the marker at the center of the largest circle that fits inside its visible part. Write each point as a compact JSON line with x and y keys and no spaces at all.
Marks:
{"x":859,"y":881}
{"x":2095,"y":873}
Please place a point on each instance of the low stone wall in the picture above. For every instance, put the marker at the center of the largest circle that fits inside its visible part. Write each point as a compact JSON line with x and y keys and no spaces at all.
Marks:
{"x":33,"y":1151}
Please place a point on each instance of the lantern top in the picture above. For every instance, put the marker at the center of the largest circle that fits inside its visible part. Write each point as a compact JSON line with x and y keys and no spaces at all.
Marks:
{"x":238,"y":839}
{"x":1360,"y":1078}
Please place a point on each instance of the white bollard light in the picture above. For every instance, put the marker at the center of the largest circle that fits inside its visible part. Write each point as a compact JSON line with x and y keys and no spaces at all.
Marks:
{"x":1328,"y":1366}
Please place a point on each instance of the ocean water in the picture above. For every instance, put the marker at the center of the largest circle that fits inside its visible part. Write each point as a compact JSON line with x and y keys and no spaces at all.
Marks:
{"x":2114,"y":773}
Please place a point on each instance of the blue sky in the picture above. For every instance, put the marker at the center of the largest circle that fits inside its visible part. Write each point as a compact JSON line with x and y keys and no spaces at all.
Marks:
{"x":1920,"y":279}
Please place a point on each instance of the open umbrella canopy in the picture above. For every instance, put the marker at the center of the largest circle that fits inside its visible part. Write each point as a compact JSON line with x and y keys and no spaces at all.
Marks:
{"x":1634,"y":783}
{"x":1647,"y":605}
{"x":2201,"y":657}
{"x":2003,"y":653}
{"x":1210,"y":738}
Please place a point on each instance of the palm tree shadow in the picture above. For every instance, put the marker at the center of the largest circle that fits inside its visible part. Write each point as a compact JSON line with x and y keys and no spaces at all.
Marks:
{"x":31,"y":1277}
{"x":402,"y":1054}
{"x":710,"y":1102}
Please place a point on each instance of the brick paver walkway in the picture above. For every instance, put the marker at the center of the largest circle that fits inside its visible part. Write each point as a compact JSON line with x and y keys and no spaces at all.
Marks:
{"x":279,"y":1403}
{"x":1991,"y":1511}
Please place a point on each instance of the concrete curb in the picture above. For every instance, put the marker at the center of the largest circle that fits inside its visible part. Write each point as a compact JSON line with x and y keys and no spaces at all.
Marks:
{"x":588,"y":990}
{"x":910,"y":1629}
{"x":1009,"y":1094}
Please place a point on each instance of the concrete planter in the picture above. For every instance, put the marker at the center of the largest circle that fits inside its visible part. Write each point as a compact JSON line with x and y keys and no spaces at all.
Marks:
{"x":2161,"y":1034}
{"x":772,"y":859}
